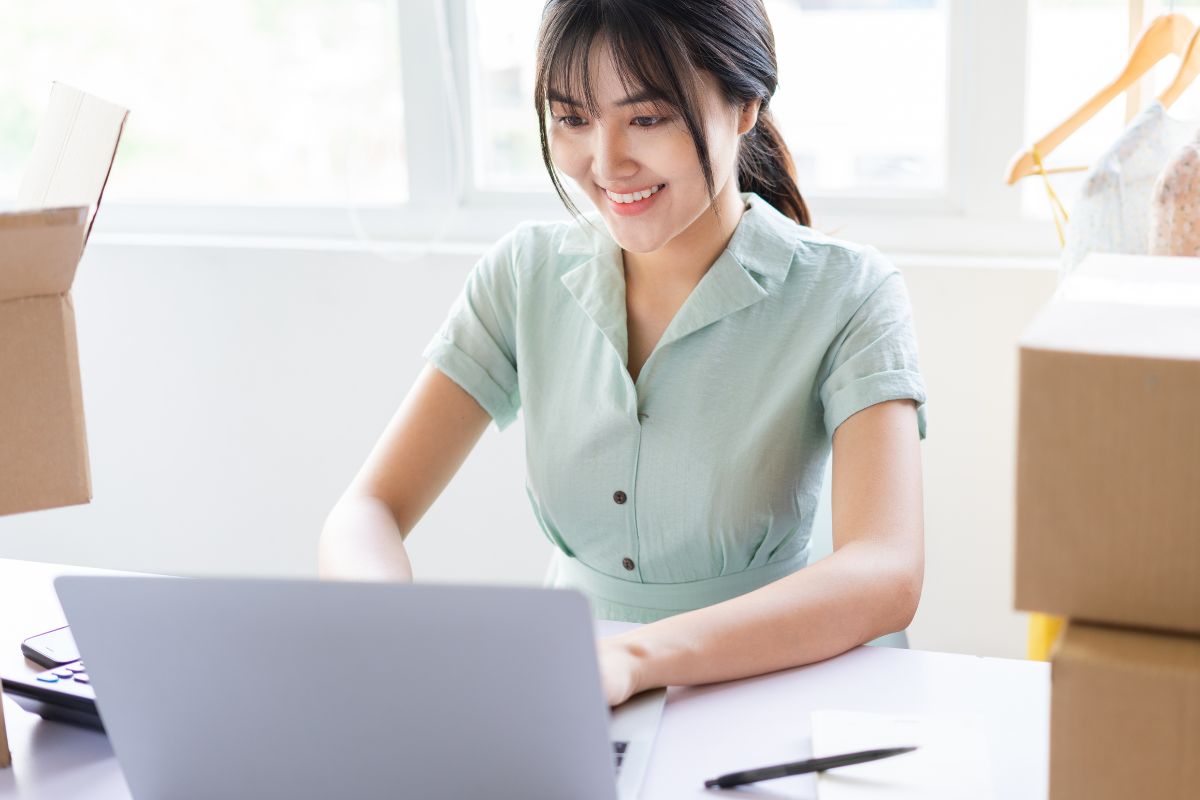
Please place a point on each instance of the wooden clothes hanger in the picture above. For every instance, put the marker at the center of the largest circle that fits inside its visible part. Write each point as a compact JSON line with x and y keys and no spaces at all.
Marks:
{"x":1167,"y":34}
{"x":1189,"y":68}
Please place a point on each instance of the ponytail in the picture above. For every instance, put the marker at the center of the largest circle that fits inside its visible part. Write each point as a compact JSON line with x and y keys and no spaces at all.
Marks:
{"x":765,"y":167}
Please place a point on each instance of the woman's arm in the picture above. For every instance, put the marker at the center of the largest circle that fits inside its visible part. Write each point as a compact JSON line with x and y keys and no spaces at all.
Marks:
{"x":422,"y":448}
{"x":868,"y":587}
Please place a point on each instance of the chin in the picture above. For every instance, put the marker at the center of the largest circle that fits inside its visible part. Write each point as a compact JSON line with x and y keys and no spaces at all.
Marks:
{"x":636,"y":244}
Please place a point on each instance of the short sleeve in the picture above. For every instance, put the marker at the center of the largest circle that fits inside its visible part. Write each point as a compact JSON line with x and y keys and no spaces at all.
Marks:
{"x":476,"y":345}
{"x":875,"y":353}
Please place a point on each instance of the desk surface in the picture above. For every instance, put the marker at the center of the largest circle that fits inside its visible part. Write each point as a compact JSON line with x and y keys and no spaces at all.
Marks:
{"x":705,"y":730}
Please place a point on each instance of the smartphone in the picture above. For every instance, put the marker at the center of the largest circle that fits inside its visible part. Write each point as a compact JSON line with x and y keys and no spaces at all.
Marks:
{"x":52,"y":648}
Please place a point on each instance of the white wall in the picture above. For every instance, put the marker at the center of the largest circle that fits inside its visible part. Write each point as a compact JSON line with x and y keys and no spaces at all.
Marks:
{"x":968,"y":319}
{"x":232,"y":392}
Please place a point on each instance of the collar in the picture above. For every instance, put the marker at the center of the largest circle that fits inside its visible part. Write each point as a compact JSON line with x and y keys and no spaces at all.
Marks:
{"x":763,"y":243}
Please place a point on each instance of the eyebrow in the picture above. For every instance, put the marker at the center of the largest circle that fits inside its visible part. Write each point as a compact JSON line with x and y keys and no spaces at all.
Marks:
{"x":643,"y":97}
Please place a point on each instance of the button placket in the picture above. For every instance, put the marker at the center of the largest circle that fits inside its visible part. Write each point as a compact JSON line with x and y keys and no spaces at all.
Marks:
{"x":622,"y":497}
{"x":628,"y":559}
{"x":619,"y":498}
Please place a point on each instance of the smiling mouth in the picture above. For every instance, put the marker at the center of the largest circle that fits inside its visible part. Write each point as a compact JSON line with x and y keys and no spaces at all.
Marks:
{"x":633,"y":197}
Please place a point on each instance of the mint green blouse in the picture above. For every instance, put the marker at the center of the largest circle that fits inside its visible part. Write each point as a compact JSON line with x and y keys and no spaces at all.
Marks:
{"x":699,"y":481}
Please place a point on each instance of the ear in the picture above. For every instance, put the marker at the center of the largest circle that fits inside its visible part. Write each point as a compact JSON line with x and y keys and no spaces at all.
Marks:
{"x":749,"y":116}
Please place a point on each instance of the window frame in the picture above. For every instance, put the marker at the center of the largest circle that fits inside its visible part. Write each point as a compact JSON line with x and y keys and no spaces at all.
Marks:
{"x":977,"y":215}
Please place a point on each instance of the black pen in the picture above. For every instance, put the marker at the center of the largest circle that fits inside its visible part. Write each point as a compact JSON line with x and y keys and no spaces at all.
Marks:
{"x":800,"y":767}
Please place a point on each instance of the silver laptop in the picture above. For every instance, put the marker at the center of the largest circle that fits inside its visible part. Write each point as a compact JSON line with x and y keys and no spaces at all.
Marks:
{"x":215,"y":687}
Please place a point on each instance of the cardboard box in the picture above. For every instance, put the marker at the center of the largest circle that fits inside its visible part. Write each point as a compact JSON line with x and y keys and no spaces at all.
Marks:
{"x":1125,"y":715}
{"x":43,"y":443}
{"x":1108,"y":446}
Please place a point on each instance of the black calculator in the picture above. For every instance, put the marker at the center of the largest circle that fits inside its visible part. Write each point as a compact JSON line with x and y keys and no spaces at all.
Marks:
{"x":63,"y":693}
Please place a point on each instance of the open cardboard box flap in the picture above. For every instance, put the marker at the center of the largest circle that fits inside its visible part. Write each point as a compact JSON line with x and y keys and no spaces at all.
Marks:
{"x":40,"y":251}
{"x":44,"y":458}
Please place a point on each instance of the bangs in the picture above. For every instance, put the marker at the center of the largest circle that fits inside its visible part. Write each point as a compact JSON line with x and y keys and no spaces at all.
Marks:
{"x":646,"y":55}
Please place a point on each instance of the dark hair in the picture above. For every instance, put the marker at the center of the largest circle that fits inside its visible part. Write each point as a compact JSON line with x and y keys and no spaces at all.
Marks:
{"x":659,"y":46}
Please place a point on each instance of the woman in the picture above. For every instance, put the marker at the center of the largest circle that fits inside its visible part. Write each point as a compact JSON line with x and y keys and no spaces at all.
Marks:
{"x":684,"y":363}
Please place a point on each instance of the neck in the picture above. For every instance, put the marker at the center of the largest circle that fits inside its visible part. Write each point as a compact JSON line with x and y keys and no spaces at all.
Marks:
{"x":685,"y":259}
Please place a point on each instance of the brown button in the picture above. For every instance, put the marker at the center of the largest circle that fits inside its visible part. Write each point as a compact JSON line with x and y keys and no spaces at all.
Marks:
{"x":619,"y":497}
{"x":627,"y":563}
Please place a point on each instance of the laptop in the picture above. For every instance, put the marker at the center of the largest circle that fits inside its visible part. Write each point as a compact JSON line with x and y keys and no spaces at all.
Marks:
{"x":227,"y":687}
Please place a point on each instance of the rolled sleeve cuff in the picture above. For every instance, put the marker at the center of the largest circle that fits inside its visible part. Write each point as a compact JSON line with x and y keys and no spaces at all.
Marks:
{"x":878,"y":388}
{"x":475,"y":380}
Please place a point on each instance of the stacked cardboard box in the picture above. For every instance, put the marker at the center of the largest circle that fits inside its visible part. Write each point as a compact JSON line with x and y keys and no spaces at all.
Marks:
{"x":43,"y":447}
{"x":1108,"y":522}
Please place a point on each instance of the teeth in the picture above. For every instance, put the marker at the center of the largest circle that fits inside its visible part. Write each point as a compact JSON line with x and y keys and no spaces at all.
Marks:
{"x":629,"y":198}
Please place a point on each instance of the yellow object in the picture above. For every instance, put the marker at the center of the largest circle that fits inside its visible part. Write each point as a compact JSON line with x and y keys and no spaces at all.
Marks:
{"x":5,"y":756}
{"x":1057,"y":209}
{"x":1043,"y":632}
{"x":1189,"y":68}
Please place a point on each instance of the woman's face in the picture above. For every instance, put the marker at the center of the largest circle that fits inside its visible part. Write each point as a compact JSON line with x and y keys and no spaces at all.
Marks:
{"x":634,"y":147}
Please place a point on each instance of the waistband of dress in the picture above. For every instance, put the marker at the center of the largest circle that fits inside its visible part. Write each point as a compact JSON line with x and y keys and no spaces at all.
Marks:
{"x":683,"y":596}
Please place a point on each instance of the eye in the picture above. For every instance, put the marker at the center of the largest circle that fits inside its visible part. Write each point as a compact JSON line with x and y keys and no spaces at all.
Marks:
{"x":572,"y":121}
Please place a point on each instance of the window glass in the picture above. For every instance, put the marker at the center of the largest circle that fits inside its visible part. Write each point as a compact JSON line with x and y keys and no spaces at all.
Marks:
{"x":503,"y":41}
{"x":862,"y":109}
{"x":231,"y":101}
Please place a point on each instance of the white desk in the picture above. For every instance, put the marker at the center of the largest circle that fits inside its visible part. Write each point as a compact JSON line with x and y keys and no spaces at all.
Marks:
{"x":705,"y":731}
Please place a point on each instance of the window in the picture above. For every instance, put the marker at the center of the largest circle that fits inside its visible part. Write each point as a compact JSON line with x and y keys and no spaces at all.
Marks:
{"x":274,"y":118}
{"x":862,"y":109}
{"x":232,"y":101}
{"x":507,"y":152}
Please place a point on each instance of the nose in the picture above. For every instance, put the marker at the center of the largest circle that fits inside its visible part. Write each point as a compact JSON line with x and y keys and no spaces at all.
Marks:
{"x":613,"y":155}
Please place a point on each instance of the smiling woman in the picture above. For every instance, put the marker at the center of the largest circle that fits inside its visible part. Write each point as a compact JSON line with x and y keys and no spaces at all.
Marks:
{"x":685,"y":358}
{"x":688,"y":89}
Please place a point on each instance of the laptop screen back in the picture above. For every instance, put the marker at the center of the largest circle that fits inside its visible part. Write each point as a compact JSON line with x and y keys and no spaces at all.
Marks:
{"x":317,"y":689}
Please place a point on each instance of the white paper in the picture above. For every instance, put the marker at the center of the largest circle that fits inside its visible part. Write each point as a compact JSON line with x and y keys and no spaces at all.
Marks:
{"x":951,"y":761}
{"x":73,"y":152}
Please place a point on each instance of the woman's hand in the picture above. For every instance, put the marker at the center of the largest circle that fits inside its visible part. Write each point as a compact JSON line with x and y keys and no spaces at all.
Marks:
{"x":620,"y":670}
